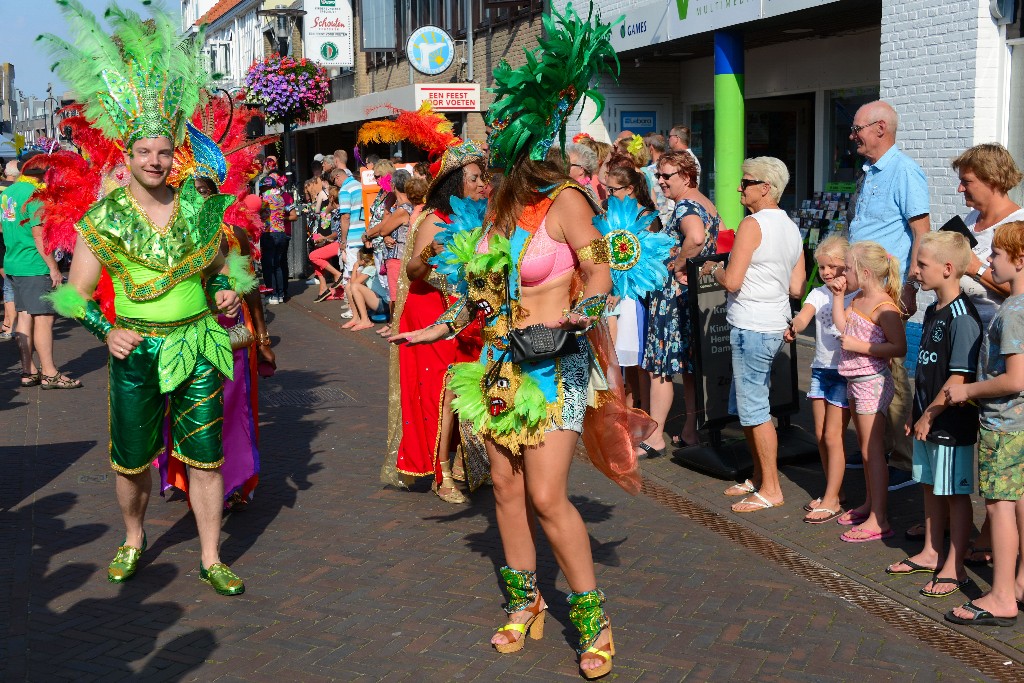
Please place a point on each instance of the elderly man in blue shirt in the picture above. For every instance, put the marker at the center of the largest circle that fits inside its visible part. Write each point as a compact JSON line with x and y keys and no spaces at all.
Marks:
{"x":892,"y":209}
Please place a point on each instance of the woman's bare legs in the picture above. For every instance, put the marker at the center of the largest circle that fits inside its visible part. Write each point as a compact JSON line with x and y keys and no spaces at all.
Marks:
{"x":662,"y":394}
{"x":540,"y":489}
{"x":362,"y":300}
{"x":690,"y":395}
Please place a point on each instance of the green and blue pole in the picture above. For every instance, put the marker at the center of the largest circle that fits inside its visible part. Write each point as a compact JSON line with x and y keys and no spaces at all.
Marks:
{"x":730,"y":126}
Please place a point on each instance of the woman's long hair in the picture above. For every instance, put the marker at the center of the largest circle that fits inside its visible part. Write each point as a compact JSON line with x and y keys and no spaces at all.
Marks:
{"x":520,"y":188}
{"x":446,"y":187}
{"x":630,"y":177}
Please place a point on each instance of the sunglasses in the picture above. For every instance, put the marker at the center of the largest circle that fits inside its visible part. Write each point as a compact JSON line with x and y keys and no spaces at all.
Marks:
{"x":666,"y":176}
{"x":747,"y":182}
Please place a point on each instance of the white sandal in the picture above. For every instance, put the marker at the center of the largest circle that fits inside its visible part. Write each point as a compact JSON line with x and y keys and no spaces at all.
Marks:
{"x":761,"y":503}
{"x":744,"y":489}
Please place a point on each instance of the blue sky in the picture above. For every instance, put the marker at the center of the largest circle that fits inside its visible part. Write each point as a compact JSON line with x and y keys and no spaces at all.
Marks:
{"x":23,"y":20}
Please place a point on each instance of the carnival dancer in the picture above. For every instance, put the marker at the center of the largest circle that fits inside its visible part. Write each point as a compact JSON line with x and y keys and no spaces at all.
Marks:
{"x":225,"y":166}
{"x":538,"y":271}
{"x":161,"y":248}
{"x":420,"y":419}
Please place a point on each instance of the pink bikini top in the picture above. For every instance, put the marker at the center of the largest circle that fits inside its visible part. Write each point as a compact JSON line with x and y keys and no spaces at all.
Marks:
{"x":545,"y":259}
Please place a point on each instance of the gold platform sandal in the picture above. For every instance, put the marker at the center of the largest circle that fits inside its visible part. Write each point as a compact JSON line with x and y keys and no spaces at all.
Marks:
{"x":587,"y":615}
{"x":522,"y":596}
{"x":448,"y":491}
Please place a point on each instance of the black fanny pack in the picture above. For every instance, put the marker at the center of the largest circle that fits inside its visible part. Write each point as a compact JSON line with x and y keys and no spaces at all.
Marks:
{"x":537,"y":343}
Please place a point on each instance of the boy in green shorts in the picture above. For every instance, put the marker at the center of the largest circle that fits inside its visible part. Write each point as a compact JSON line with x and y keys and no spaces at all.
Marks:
{"x":944,"y":434}
{"x":999,"y":394}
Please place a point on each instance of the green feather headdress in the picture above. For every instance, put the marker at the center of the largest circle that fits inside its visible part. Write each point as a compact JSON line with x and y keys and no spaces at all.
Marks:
{"x":532,"y":102}
{"x":141,"y":81}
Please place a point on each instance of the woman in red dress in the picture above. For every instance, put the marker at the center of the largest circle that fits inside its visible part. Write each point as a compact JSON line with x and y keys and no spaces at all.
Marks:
{"x":418,"y":445}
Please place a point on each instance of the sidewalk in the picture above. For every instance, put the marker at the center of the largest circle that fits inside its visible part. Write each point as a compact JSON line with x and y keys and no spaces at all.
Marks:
{"x":350,"y":581}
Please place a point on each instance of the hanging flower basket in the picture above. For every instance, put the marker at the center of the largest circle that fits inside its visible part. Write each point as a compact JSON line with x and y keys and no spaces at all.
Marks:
{"x":286,"y":89}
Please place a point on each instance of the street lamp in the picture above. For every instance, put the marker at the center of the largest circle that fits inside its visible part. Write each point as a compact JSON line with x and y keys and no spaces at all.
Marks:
{"x":51,"y":129}
{"x":284,"y":27}
{"x":285,"y":18}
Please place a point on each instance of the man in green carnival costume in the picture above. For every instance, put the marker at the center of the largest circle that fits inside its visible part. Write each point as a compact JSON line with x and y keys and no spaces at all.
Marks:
{"x":162,"y":250}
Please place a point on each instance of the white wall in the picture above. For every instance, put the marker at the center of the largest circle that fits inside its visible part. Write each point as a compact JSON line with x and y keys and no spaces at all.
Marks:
{"x":940,"y":69}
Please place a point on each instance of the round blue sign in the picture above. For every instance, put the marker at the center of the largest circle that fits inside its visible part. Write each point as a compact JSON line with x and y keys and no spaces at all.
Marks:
{"x":430,"y":50}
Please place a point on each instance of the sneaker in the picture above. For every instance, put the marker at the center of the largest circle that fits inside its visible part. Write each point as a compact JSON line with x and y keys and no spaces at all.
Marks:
{"x":855,"y":461}
{"x":347,"y":315}
{"x":899,"y":479}
{"x":312,"y":281}
{"x":322,"y":296}
{"x":274,"y":300}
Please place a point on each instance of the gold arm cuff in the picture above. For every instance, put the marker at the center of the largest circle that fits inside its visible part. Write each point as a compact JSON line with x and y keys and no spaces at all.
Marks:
{"x":597,"y":251}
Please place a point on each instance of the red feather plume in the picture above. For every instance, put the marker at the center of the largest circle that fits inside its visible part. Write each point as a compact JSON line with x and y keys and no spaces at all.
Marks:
{"x":425,"y":128}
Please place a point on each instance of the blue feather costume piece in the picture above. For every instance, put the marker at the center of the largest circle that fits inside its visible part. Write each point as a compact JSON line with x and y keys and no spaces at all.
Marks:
{"x":637,"y":255}
{"x":467,"y":215}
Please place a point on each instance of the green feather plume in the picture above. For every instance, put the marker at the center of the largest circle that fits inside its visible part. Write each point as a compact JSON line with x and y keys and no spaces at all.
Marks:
{"x":141,"y":79}
{"x":240,"y":274}
{"x":532,"y":102}
{"x":67,"y":301}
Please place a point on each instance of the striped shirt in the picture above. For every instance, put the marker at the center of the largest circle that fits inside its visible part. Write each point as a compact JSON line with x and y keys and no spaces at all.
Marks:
{"x":350,"y":203}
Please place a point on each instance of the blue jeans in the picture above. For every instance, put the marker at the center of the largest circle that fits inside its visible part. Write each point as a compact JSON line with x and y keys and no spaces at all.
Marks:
{"x":274,"y":255}
{"x":752,"y":356}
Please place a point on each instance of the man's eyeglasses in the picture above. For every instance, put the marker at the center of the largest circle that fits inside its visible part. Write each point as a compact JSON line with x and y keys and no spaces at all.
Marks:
{"x":747,"y":182}
{"x":666,"y":176}
{"x":857,"y":129}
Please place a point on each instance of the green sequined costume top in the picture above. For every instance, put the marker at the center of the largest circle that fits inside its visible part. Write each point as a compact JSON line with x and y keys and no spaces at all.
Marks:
{"x":157,"y":274}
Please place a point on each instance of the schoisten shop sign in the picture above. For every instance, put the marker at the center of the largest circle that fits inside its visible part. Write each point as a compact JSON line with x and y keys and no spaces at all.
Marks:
{"x":327,"y":32}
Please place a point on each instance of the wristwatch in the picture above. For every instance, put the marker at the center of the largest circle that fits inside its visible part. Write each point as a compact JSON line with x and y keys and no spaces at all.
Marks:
{"x":981,"y":271}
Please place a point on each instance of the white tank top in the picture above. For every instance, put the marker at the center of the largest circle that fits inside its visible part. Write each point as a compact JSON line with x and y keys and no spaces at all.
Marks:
{"x":762,"y":303}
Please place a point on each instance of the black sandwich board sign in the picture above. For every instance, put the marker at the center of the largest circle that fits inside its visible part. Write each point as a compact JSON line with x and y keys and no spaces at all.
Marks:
{"x":713,"y":361}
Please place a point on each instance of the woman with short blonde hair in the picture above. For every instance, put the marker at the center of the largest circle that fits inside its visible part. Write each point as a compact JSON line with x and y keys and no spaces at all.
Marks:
{"x":766,"y":268}
{"x":768,"y":170}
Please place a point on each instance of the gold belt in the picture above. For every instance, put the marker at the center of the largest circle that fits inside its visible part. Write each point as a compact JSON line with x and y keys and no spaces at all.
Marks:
{"x":149,"y":328}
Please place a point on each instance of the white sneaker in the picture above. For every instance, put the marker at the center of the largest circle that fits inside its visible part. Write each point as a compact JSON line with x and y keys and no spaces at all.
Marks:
{"x":274,"y":300}
{"x":347,"y":315}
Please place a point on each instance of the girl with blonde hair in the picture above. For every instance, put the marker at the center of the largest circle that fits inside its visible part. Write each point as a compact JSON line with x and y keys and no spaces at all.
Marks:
{"x":872,"y":335}
{"x":829,"y":403}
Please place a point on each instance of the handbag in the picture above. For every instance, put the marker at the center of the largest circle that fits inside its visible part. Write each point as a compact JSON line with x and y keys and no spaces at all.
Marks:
{"x":240,"y":337}
{"x":537,"y":342}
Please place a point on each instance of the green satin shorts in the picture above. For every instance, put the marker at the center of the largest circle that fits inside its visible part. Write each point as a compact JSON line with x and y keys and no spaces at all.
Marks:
{"x":138,"y":410}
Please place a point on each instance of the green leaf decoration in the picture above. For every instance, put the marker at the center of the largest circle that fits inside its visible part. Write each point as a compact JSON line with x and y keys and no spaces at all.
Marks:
{"x":177,"y":359}
{"x":215,"y":345}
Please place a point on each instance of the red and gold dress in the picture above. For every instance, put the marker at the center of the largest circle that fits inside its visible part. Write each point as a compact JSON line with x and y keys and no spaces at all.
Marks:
{"x":418,"y":379}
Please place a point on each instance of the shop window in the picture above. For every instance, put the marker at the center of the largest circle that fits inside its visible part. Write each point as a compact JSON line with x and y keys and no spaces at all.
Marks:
{"x":843,"y":163}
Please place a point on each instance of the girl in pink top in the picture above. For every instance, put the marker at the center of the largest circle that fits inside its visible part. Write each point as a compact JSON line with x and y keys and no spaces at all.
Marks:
{"x":873,"y":333}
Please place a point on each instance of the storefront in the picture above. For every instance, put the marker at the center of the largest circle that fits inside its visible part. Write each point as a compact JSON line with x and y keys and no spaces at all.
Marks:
{"x":809,"y":64}
{"x":338,"y":125}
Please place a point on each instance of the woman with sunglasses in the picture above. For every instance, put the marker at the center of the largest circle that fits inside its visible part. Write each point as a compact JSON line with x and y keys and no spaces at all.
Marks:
{"x":766,"y":268}
{"x":669,"y":349}
{"x":627,"y":318}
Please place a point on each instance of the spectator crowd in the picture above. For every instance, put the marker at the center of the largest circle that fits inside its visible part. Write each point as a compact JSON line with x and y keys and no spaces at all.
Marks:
{"x":956,"y":429}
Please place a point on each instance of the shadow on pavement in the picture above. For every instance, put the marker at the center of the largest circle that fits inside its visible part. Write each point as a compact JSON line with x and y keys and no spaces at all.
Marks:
{"x":94,"y":637}
{"x":36,"y":472}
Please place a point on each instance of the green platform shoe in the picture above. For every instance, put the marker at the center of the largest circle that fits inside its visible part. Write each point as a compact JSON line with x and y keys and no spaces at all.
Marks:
{"x":223,"y":580}
{"x":125,"y":562}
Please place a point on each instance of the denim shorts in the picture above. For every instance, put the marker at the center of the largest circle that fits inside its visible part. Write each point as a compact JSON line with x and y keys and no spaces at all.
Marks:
{"x":828,"y":384}
{"x":752,"y":356}
{"x":8,"y":289}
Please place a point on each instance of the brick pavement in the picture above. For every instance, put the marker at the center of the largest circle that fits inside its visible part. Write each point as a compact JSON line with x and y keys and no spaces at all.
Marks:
{"x":351,"y":581}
